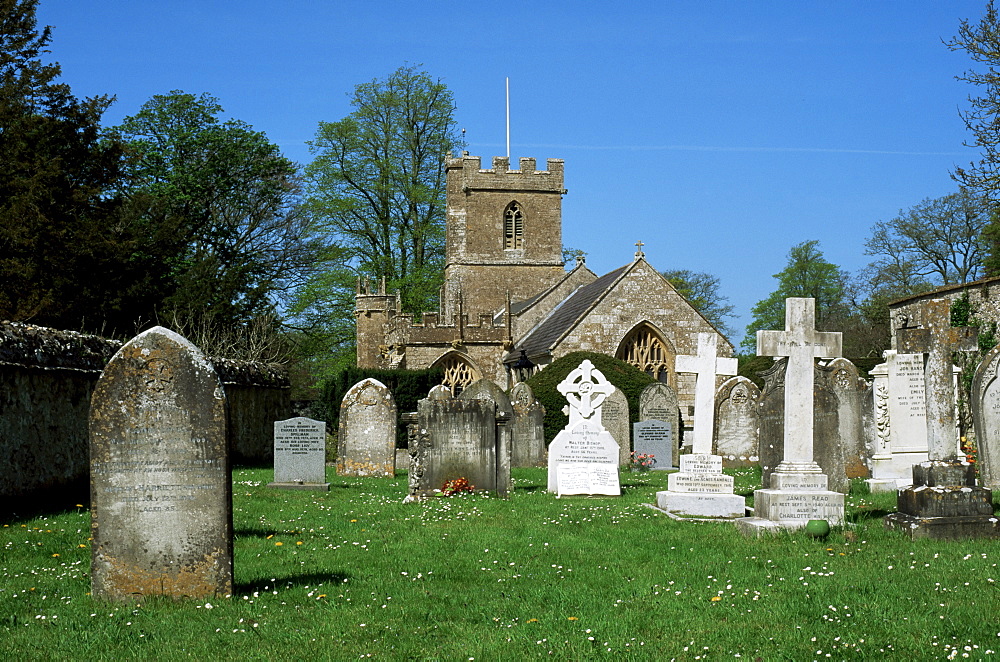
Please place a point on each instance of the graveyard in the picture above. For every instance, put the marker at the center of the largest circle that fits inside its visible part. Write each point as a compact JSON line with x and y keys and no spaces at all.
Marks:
{"x":355,"y":572}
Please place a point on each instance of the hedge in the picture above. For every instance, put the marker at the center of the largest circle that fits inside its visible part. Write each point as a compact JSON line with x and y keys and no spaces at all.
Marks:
{"x":626,"y":377}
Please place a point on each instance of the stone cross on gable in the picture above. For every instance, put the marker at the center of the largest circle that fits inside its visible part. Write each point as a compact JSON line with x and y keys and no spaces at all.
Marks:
{"x":801,"y":343}
{"x":936,"y":341}
{"x":585,"y":388}
{"x":706,"y":365}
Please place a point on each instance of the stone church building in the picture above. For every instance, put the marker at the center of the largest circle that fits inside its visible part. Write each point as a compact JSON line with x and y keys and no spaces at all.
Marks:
{"x":507,"y":293}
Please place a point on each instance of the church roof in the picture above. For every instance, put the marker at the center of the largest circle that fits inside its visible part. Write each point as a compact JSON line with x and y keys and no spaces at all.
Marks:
{"x":564,"y":317}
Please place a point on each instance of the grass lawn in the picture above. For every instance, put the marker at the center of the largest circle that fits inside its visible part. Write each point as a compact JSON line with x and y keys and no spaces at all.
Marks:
{"x":356,"y":574}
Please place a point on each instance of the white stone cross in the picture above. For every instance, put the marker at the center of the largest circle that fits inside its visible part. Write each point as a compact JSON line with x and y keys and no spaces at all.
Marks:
{"x":706,"y":365}
{"x":801,"y":343}
{"x":585,"y":388}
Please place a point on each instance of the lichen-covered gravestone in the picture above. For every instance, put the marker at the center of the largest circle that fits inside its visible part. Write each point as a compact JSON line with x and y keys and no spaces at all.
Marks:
{"x":366,"y":445}
{"x":161,"y":497}
{"x":450,"y":438}
{"x":487,"y":390}
{"x":737,"y":423}
{"x":986,"y":416}
{"x":300,"y":455}
{"x":615,"y":418}
{"x":527,"y":428}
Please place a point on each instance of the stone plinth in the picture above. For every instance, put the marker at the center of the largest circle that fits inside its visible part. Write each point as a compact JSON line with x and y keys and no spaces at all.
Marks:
{"x":791,"y":501}
{"x":701,"y":490}
{"x":944,"y":503}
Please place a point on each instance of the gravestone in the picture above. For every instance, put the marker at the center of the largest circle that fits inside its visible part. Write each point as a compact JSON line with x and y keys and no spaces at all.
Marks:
{"x":451,"y":438}
{"x":986,"y":418}
{"x":944,"y":501}
{"x":527,"y":428}
{"x":584,"y":441}
{"x":850,"y":390}
{"x":161,"y":492}
{"x":737,"y":423}
{"x":615,"y":418}
{"x":366,"y":444}
{"x":654,"y":438}
{"x":487,"y":390}
{"x":798,"y":487}
{"x":700,"y":489}
{"x":300,"y":455}
{"x":658,"y":402}
{"x":898,"y":426}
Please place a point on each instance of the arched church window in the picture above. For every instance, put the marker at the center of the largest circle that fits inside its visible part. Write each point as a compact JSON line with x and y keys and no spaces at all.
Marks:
{"x":458,"y":373}
{"x":646,"y":350}
{"x":513,"y":226}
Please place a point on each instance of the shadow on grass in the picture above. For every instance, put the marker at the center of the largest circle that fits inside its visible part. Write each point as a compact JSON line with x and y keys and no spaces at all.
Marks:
{"x":307,"y":579}
{"x":255,"y":533}
{"x":864,"y":514}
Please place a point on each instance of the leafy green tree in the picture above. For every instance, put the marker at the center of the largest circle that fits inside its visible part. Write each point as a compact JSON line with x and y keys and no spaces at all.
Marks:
{"x":376,"y":191}
{"x":226,"y":198}
{"x":807,"y":274}
{"x":64,"y":252}
{"x":702,"y":291}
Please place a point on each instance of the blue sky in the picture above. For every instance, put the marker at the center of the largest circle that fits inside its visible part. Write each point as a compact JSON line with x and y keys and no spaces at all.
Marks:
{"x":718,"y":133}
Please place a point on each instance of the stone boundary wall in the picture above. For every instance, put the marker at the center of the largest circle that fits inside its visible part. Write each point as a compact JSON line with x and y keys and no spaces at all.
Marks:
{"x":984,"y":295}
{"x":46,"y":380}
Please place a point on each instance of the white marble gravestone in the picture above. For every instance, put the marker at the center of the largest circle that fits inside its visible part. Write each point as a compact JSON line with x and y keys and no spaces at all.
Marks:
{"x":300,"y":455}
{"x":700,"y":489}
{"x":584,"y":441}
{"x":798,"y":487}
{"x":900,"y":436}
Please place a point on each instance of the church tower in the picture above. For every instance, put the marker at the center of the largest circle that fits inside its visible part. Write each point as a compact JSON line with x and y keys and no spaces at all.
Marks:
{"x":504,"y":233}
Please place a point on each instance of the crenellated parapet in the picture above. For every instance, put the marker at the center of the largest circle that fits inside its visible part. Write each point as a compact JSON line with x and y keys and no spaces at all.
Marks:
{"x":468,"y":172}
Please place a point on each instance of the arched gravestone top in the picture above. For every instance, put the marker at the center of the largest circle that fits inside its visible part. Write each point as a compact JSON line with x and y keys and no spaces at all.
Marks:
{"x":522,"y":397}
{"x":161,"y":499}
{"x":986,"y":417}
{"x":737,"y":422}
{"x":486,"y":389}
{"x":366,"y":445}
{"x":439,"y":392}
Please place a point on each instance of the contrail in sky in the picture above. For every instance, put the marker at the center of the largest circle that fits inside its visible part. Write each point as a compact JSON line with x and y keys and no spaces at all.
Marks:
{"x":710,"y":148}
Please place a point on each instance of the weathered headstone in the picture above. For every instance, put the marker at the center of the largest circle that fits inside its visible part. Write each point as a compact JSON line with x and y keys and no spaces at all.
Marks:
{"x":450,"y":438}
{"x":829,"y":446}
{"x":850,"y":390}
{"x":658,"y":402}
{"x":944,"y":501}
{"x":737,"y":423}
{"x":986,"y":417}
{"x":487,"y":390}
{"x":527,"y":428}
{"x":161,"y":492}
{"x":798,"y":487}
{"x":300,"y":455}
{"x":899,"y":421}
{"x":700,"y":489}
{"x":654,"y":438}
{"x":615,"y":418}
{"x":366,"y":444}
{"x":584,"y":440}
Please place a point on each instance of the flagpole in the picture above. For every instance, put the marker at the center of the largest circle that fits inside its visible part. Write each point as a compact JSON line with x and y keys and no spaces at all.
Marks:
{"x":508,"y":119}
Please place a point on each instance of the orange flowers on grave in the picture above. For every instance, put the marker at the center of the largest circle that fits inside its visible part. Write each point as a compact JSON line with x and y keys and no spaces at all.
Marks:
{"x":457,"y":486}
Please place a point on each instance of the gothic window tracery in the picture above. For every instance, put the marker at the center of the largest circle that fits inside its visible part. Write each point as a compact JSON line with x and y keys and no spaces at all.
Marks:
{"x":646,"y":350}
{"x":458,"y":373}
{"x":513,"y":226}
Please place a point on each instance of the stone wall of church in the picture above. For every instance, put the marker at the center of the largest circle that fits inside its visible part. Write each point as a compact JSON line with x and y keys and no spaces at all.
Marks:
{"x":984,"y":295}
{"x":644,"y":296}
